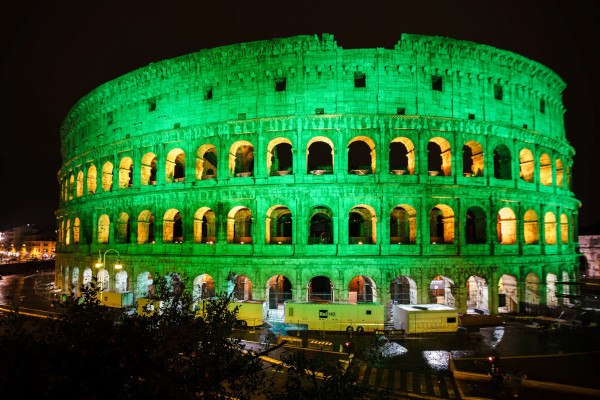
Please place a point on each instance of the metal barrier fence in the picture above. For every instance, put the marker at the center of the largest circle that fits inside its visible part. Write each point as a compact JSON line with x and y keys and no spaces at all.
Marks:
{"x":320,"y":345}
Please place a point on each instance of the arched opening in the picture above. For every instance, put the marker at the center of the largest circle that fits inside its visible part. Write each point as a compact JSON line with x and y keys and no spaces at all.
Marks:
{"x":203,"y":288}
{"x":107,"y":176}
{"x":527,"y":166}
{"x":240,"y":287}
{"x":148,"y":169}
{"x":564,"y":229}
{"x":206,"y":162}
{"x":441,"y":225}
{"x":80,"y":184}
{"x":506,"y":226}
{"x":566,"y":288}
{"x":92,"y":180}
{"x":321,"y":226}
{"x":361,"y":156}
{"x":320,"y":288}
{"x":123,"y":228}
{"x":472,"y":159}
{"x":87,"y":277}
{"x":241,"y":159}
{"x":545,"y":170}
{"x":551,"y":298}
{"x":173,"y":283}
{"x":403,"y":225}
{"x":145,"y":232}
{"x":319,"y":156}
{"x":477,"y":295}
{"x":76,"y":226}
{"x":68,"y":233}
{"x":144,"y":285}
{"x":65,"y":190}
{"x":126,"y":173}
{"x":204,"y":226}
{"x":239,"y":226}
{"x":175,"y":166}
{"x":531,"y":228}
{"x":439,"y":157}
{"x":121,"y":282}
{"x":362,"y":289}
{"x":441,"y":291}
{"x":71,"y":186}
{"x":279,"y":157}
{"x":279,"y":225}
{"x":103,"y":229}
{"x":532,"y":289}
{"x":508,"y":299}
{"x":67,"y":279}
{"x":550,"y":228}
{"x":475,"y":226}
{"x":172,"y":227}
{"x":560,"y":173}
{"x":402,"y":157}
{"x":279,"y":289}
{"x":502,"y":162}
{"x":103,"y":280}
{"x":75,"y":280}
{"x":403,"y":290}
{"x":362,"y":225}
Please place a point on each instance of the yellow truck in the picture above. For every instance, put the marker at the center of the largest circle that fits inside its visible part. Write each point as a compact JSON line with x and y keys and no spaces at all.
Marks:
{"x":117,"y":300}
{"x":322,"y":316}
{"x":425,"y":318}
{"x":250,"y":312}
{"x":147,"y":306}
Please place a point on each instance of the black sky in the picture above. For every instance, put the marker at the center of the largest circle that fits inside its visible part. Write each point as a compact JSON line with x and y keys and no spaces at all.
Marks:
{"x":57,"y":51}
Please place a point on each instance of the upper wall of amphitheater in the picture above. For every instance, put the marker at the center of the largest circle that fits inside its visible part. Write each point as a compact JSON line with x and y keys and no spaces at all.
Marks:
{"x":308,"y":75}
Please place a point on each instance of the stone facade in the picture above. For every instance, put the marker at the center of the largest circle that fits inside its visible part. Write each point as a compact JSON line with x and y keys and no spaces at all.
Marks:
{"x":437,"y":171}
{"x":589,"y":245}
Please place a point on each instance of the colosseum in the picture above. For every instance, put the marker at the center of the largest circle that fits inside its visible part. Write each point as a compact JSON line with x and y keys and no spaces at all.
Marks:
{"x":434,"y":172}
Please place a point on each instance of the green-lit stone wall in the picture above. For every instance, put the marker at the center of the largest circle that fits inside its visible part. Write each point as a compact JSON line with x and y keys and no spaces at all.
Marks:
{"x":185,"y":151}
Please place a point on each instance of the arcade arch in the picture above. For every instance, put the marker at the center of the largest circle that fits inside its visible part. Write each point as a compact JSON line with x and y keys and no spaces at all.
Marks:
{"x":92,"y":179}
{"x":402,"y":156}
{"x":441,"y":225}
{"x":475,"y":226}
{"x":203,"y":287}
{"x":125,"y":173}
{"x":144,"y":284}
{"x":206,"y":162}
{"x":532,"y":289}
{"x":362,"y":289}
{"x":362,"y":225}
{"x":320,"y":288}
{"x":321,"y":226}
{"x":550,"y":228}
{"x":80,"y":184}
{"x":103,"y":229}
{"x":361,"y":156}
{"x":279,"y":157}
{"x":241,"y":159}
{"x":123,"y":231}
{"x":107,"y":176}
{"x":477,"y":294}
{"x":527,"y":165}
{"x":472,"y":159}
{"x":172,"y":227}
{"x":239,"y":226}
{"x":175,"y":166}
{"x":545,"y":170}
{"x":240,"y":287}
{"x":441,"y":291}
{"x":145,"y":231}
{"x":531,"y":228}
{"x":403,"y":225}
{"x":278,"y":290}
{"x":508,"y":298}
{"x":403,"y":290}
{"x":121,"y":282}
{"x":439,"y":156}
{"x":502,"y":162}
{"x":551,"y":298}
{"x":279,"y":225}
{"x":319,"y":156}
{"x":148,"y":169}
{"x":204,"y":226}
{"x":506,"y":226}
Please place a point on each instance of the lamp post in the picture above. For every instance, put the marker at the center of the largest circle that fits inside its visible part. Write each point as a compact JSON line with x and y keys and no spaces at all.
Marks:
{"x":102,"y":262}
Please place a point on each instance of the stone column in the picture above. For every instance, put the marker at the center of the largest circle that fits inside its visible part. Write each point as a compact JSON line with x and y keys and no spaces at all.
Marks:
{"x":493,"y":291}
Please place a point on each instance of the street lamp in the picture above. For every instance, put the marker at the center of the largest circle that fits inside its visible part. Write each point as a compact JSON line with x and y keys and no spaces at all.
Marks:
{"x":102,"y":262}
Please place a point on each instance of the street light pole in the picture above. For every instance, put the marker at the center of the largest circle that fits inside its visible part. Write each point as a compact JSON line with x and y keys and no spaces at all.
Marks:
{"x":102,"y":262}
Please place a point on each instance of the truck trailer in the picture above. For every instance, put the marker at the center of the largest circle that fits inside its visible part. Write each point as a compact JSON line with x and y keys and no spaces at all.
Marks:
{"x":250,"y":312}
{"x":325,"y":316}
{"x":425,"y":318}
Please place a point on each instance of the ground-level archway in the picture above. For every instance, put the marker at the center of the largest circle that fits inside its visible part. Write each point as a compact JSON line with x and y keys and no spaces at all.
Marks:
{"x":508,"y":295}
{"x":278,"y":290}
{"x":203,"y":287}
{"x":320,"y":288}
{"x":441,"y":291}
{"x":477,"y":295}
{"x":362,"y":289}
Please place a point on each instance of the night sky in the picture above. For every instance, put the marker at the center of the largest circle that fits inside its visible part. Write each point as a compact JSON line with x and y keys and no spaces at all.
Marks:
{"x":56,"y":52}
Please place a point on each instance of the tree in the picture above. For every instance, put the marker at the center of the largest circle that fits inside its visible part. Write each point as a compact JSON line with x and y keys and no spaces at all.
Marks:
{"x":92,"y":351}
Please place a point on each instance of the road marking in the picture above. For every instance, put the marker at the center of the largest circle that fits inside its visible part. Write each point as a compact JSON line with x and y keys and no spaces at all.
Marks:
{"x":436,"y":385}
{"x":409,"y":382}
{"x":384,"y":378}
{"x":397,"y":380}
{"x":373,"y":376}
{"x":449,"y":387}
{"x":422,"y":383}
